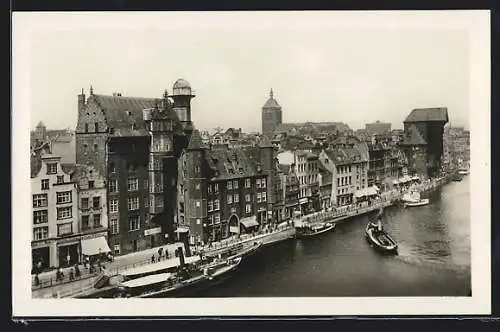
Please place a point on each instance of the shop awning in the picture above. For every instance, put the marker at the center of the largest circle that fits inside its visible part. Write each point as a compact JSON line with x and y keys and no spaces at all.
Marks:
{"x":95,"y":246}
{"x":182,"y":230}
{"x":249,"y":221}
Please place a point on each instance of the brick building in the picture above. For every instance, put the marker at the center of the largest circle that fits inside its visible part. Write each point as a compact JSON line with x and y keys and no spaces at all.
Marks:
{"x":272,"y":116}
{"x":423,"y":140}
{"x":135,"y":143}
{"x":223,"y":191}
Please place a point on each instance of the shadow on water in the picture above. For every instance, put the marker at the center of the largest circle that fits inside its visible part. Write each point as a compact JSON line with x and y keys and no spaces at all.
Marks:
{"x":433,"y":259}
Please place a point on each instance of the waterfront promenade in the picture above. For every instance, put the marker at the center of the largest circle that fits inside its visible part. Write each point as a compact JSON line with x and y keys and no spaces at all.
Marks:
{"x":85,"y":284}
{"x":49,"y":287}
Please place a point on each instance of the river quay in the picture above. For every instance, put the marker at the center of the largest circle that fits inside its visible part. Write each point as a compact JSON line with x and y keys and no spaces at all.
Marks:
{"x":85,"y":287}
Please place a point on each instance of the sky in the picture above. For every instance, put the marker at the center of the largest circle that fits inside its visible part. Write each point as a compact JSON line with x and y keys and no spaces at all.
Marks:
{"x":363,"y":69}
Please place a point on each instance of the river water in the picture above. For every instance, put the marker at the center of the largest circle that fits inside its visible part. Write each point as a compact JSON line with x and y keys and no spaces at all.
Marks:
{"x":433,"y":259}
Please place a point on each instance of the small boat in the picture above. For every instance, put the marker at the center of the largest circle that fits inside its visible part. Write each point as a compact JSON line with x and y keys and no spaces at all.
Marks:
{"x":457,"y":177}
{"x":310,"y":230}
{"x":413,"y":199}
{"x":380,"y":240}
{"x":463,"y":171}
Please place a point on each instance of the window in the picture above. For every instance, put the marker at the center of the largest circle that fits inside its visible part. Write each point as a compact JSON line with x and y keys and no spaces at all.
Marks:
{"x":40,"y":200}
{"x":97,"y":220}
{"x":216,"y":187}
{"x":85,"y":203}
{"x":229,"y":199}
{"x":60,"y":179}
{"x":96,"y":127}
{"x":114,"y":226}
{"x":40,"y":233}
{"x":216,"y":205}
{"x":248,"y":208}
{"x":235,"y":184}
{"x":247,"y":183}
{"x":263,"y":182}
{"x":86,"y":127}
{"x":257,"y":183}
{"x":233,"y":210}
{"x":116,"y":249}
{"x":258,"y":197}
{"x":45,"y":184}
{"x":236,"y":198}
{"x":64,"y":212}
{"x":95,"y":147}
{"x":210,"y":206}
{"x":112,"y":168}
{"x":91,"y":184}
{"x":65,"y":229}
{"x":264,"y":196}
{"x":133,"y":203}
{"x":132,"y":184}
{"x":63,"y":197}
{"x":133,"y":223}
{"x":52,"y":168}
{"x":217,"y":218}
{"x":85,"y":223}
{"x":197,"y":186}
{"x":40,"y":217}
{"x":229,"y":185}
{"x":146,"y":184}
{"x":247,"y":198}
{"x":209,"y":188}
{"x":146,"y":201}
{"x":113,"y":186}
{"x":113,"y":206}
{"x":197,"y":204}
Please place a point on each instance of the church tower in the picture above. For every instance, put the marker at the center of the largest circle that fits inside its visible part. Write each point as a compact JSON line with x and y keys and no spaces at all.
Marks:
{"x":271,"y":116}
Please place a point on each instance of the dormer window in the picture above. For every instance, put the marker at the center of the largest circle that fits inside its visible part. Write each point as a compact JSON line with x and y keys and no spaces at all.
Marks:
{"x":52,"y":168}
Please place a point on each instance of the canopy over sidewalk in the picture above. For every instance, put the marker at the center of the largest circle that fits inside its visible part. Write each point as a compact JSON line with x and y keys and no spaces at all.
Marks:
{"x":95,"y":246}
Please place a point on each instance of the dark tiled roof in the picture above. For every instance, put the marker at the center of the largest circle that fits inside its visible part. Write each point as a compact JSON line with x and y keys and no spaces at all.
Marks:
{"x":233,"y":163}
{"x":413,"y":137}
{"x":196,"y":143}
{"x":124,"y":114}
{"x":344,"y":156}
{"x":271,"y":103}
{"x":428,"y":114}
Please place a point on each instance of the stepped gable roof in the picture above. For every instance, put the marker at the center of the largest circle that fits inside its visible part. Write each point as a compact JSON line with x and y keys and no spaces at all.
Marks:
{"x":195,"y":142}
{"x":124,"y":114}
{"x":439,"y":114}
{"x":231,"y":163}
{"x":412,"y":136}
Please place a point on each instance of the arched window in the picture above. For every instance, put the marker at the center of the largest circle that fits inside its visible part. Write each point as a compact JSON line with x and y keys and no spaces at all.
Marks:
{"x":96,"y":127}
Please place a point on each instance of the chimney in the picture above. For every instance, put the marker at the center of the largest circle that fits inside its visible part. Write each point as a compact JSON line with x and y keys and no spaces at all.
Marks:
{"x":81,"y":100}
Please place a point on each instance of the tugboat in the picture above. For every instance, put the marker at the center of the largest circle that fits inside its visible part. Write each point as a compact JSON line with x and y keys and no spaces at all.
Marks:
{"x":379,"y":238}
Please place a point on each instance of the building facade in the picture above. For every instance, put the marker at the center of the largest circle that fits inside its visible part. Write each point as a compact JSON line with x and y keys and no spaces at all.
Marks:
{"x":384,"y":162}
{"x":272,"y":116}
{"x":223,"y":191}
{"x":456,"y":147}
{"x":307,"y":171}
{"x":423,"y":140}
{"x":55,"y":229}
{"x":92,"y":210}
{"x":135,"y":143}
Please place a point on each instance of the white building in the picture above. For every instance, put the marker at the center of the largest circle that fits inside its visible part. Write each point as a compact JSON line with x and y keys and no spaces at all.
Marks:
{"x":55,"y":239}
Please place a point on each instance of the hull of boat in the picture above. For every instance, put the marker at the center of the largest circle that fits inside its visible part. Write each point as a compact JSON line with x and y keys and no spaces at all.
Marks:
{"x":390,"y":247}
{"x":422,"y":202}
{"x":189,"y":287}
{"x":301,"y":235}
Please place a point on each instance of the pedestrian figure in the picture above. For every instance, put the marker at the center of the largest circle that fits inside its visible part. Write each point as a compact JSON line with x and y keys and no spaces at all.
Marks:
{"x":37,"y":280}
{"x":77,"y":271}
{"x":39,"y":266}
{"x":152,"y":258}
{"x":91,"y":269}
{"x":166,"y":254}
{"x":71,"y":275}
{"x":160,"y":251}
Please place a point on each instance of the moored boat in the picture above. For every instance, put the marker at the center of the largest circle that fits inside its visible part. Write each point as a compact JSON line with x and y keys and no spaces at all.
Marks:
{"x":310,"y":230}
{"x":421,"y":202}
{"x":413,"y":198}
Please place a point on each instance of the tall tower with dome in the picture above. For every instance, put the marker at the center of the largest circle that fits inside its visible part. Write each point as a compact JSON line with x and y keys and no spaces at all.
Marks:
{"x":181,"y":96}
{"x":271,"y":115}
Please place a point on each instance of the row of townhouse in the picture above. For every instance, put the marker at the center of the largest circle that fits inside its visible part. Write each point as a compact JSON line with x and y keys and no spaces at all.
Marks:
{"x":69,"y":212}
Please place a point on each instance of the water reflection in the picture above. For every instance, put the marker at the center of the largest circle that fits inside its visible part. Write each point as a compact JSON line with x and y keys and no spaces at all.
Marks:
{"x":434,"y":257}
